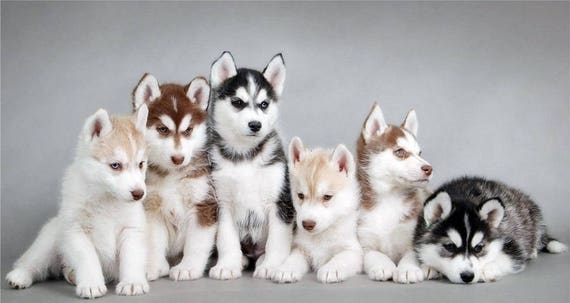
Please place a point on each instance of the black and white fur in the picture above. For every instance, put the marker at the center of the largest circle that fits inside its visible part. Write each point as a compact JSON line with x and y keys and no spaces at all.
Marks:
{"x":249,"y":168}
{"x":476,"y":230}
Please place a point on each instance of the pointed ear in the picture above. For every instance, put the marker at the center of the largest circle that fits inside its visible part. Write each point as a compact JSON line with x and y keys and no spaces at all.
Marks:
{"x":146,"y":91}
{"x":374,"y":125}
{"x":411,"y":122}
{"x":343,"y":159}
{"x":492,"y":211}
{"x":97,"y":125}
{"x":198,"y":91}
{"x":274,"y":73}
{"x":223,"y":68}
{"x":140,"y":118}
{"x":296,"y":150}
{"x":438,"y":208}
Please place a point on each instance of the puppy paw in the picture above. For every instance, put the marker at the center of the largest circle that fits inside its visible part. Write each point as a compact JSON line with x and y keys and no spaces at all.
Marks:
{"x":182,"y":273}
{"x":490,"y":273}
{"x":286,"y":276}
{"x":224,"y":272}
{"x":263,"y":271}
{"x":19,"y":279}
{"x":407,"y":274}
{"x":382,"y":272}
{"x":91,"y":290}
{"x":68,"y":275}
{"x":132,"y":288}
{"x":331,"y":275}
{"x":430,"y":273}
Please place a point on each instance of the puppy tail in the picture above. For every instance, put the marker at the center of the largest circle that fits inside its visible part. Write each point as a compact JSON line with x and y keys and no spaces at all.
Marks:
{"x":552,"y":245}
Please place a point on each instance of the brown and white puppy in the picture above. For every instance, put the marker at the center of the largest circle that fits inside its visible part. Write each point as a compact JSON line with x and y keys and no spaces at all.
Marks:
{"x":393,"y":179}
{"x":181,"y":209}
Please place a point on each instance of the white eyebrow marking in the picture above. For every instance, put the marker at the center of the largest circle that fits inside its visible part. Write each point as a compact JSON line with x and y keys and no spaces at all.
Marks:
{"x":184,"y":123}
{"x":261,"y":96}
{"x":242,"y":94}
{"x":477,"y":237}
{"x":174,"y":104}
{"x":168,"y":122}
{"x":454,"y":237}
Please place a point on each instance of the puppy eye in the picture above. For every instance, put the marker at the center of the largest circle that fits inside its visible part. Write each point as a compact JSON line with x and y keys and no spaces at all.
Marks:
{"x":263,"y":105}
{"x":400,"y":153}
{"x":163,"y":130}
{"x":450,"y":247}
{"x":141,"y":164}
{"x":238,"y":103}
{"x":188,"y":131}
{"x":478,"y":248}
{"x":301,"y":196}
{"x":327,"y":197}
{"x":115,"y":166}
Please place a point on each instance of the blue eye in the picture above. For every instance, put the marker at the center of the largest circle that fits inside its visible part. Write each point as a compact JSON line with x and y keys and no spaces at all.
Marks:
{"x":263,"y":105}
{"x":115,"y":165}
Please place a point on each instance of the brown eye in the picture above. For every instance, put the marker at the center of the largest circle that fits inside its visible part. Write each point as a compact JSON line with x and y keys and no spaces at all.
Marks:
{"x":188,"y":131}
{"x":301,"y":196}
{"x":450,"y":247}
{"x":327,"y":197}
{"x":115,"y":166}
{"x":163,"y":130}
{"x":478,"y":248}
{"x":400,"y":153}
{"x":141,"y":164}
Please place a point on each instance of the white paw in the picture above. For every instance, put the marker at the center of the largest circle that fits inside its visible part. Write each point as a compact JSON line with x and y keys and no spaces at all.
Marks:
{"x":19,"y":279}
{"x":223,"y":272}
{"x":382,"y":272}
{"x":91,"y":290}
{"x":68,"y":275}
{"x":330,"y":275}
{"x":181,"y":273}
{"x":408,"y":273}
{"x":286,"y":276}
{"x":430,"y":273}
{"x":132,"y":288}
{"x":155,"y":271}
{"x":263,"y":271}
{"x":490,"y":273}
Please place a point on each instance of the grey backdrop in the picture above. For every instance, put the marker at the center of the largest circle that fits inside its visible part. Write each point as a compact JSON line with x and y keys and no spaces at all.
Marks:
{"x":490,"y":83}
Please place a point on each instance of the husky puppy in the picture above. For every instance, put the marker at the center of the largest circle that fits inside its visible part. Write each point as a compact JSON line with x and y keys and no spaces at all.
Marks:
{"x":393,"y":179}
{"x":475,"y":230}
{"x":180,"y":208}
{"x":249,"y":168}
{"x":98,"y":233}
{"x":326,"y":199}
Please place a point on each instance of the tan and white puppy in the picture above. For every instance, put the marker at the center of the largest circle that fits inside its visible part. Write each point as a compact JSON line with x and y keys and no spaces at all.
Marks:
{"x":98,"y":233}
{"x":393,"y":178}
{"x":181,"y":209}
{"x":326,"y":198}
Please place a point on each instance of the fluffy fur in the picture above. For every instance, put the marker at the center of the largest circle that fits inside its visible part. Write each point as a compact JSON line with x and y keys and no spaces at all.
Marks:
{"x":476,"y":230}
{"x":98,"y":233}
{"x":249,"y":168}
{"x":326,"y":199}
{"x":181,"y":209}
{"x":393,"y":179}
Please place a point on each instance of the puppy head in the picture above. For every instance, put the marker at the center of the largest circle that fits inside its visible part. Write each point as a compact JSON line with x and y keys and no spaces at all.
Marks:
{"x":322,"y":185}
{"x":176,"y":127}
{"x":114,"y":154}
{"x":391,"y":153}
{"x":460,"y":237}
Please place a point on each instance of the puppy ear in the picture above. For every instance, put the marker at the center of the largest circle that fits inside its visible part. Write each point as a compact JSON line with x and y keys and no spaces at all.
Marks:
{"x":343,"y":159}
{"x":375,"y":125}
{"x":296,"y":150}
{"x":198,"y":91}
{"x":437,"y":208}
{"x":223,"y":68}
{"x":274,"y":73}
{"x":411,"y":122}
{"x":146,"y":91}
{"x":97,"y":125}
{"x":492,"y":211}
{"x":140,"y":118}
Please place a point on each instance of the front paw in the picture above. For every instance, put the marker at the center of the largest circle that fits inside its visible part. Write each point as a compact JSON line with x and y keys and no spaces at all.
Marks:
{"x":286,"y":276}
{"x":91,"y":290}
{"x":225,"y":272}
{"x":408,"y":274}
{"x":329,"y":274}
{"x":430,"y":273}
{"x":490,"y":273}
{"x":263,"y":271}
{"x":19,"y":279}
{"x":181,"y":273}
{"x":132,"y":288}
{"x":382,"y":271}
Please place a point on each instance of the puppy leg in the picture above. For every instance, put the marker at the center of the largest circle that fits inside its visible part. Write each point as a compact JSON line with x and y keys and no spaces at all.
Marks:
{"x":378,"y":266}
{"x":229,"y":264}
{"x":342,"y":266}
{"x":501,"y":266}
{"x":157,"y":265}
{"x":293,"y":269}
{"x":132,"y":261}
{"x":277,"y":248}
{"x":35,"y":263}
{"x":408,"y":270}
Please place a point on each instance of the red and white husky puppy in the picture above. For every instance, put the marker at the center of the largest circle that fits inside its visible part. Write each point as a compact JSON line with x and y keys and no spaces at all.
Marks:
{"x":326,"y":199}
{"x":393,"y":179}
{"x":98,"y":233}
{"x":181,"y":209}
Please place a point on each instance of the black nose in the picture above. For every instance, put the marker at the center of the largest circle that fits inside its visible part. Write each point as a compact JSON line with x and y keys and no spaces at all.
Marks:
{"x":467,"y":276}
{"x":137,"y":194}
{"x":255,"y":126}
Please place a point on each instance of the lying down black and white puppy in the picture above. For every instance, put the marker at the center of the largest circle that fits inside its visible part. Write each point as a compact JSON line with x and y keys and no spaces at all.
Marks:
{"x":476,"y":230}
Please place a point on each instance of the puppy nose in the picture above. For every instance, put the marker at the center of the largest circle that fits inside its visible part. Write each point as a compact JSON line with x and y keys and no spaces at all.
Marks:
{"x":137,"y":194}
{"x":427,"y":170}
{"x":467,"y":276}
{"x":255,"y":126}
{"x":177,"y":159}
{"x":309,"y":224}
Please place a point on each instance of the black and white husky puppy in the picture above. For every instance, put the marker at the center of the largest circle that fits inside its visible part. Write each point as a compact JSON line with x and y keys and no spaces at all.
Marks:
{"x":249,"y":168}
{"x":476,"y":230}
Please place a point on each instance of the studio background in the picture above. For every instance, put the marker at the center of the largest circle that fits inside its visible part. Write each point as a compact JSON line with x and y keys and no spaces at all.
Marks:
{"x":489,"y":81}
